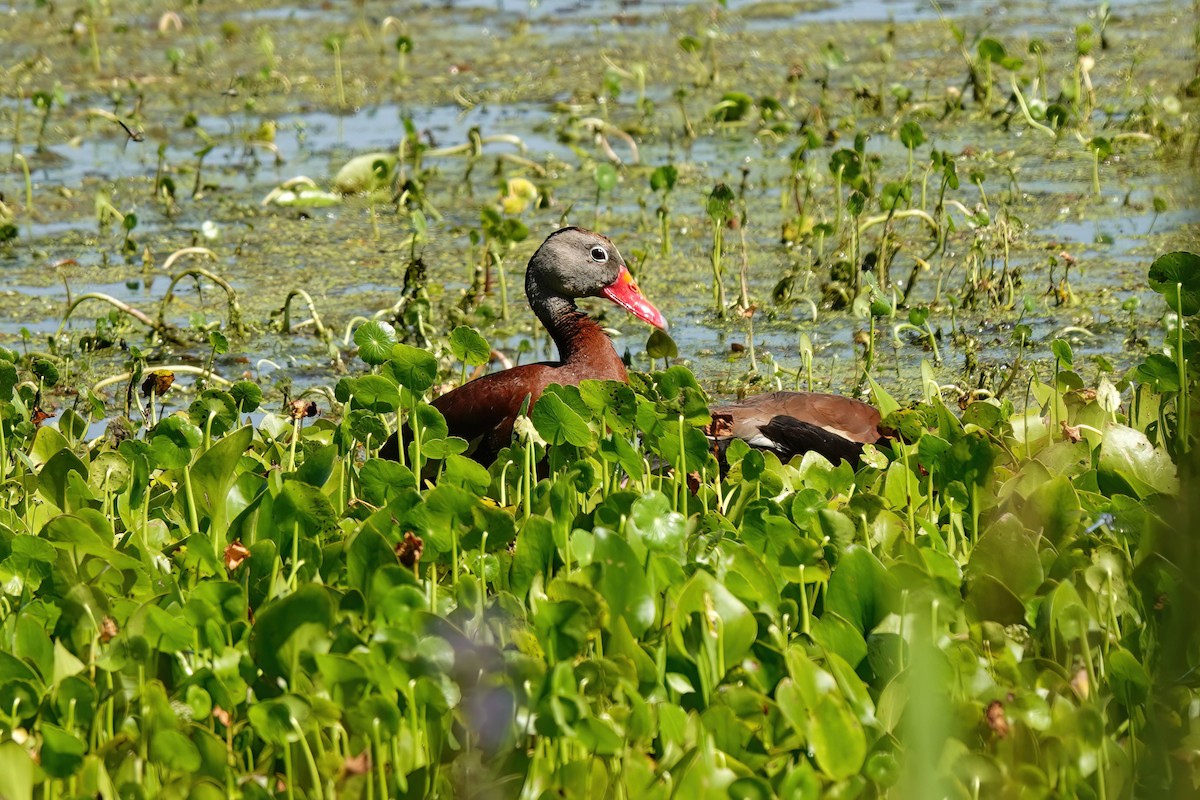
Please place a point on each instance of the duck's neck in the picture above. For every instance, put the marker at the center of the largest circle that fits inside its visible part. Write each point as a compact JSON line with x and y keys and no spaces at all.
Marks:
{"x":579,"y":339}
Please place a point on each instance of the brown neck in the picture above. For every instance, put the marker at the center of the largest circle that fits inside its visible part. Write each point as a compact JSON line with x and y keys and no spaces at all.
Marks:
{"x":581,"y":343}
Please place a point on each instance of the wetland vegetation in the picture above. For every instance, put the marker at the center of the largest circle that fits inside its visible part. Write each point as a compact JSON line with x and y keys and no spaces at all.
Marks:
{"x":243,"y":243}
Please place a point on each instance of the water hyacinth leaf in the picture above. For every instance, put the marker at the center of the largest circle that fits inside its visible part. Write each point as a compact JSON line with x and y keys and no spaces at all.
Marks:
{"x":534,"y":554}
{"x":860,"y":589}
{"x":276,"y":720}
{"x":469,"y":346}
{"x":1129,"y":464}
{"x":88,"y":532}
{"x":657,"y":527}
{"x":705,"y":603}
{"x":289,"y":626}
{"x":732,"y":107}
{"x":1131,"y":679}
{"x":466,"y":474}
{"x":661,"y":345}
{"x":17,"y":767}
{"x":623,"y":584}
{"x":1176,"y":276}
{"x":246,"y":395}
{"x":174,"y":751}
{"x":305,"y":507}
{"x":837,"y":635}
{"x":214,"y":474}
{"x":1008,"y":553}
{"x":1159,"y":373}
{"x":381,"y":480}
{"x":32,"y":644}
{"x":605,"y":176}
{"x":215,"y":411}
{"x":61,"y":754}
{"x":562,"y":628}
{"x":375,"y":340}
{"x":8,"y":378}
{"x":1054,"y":508}
{"x":318,"y":465}
{"x":719,"y":206}
{"x":173,"y":441}
{"x":663,"y":178}
{"x":558,"y":423}
{"x":377,"y":393}
{"x":912,"y":136}
{"x":414,"y":368}
{"x":53,"y":480}
{"x":837,"y":739}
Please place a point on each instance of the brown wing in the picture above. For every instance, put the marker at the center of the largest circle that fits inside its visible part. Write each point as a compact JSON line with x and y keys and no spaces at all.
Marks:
{"x":485,"y":409}
{"x":844,"y":416}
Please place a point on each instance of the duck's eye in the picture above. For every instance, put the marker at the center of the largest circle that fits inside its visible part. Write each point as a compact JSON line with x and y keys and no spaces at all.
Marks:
{"x":599,"y":255}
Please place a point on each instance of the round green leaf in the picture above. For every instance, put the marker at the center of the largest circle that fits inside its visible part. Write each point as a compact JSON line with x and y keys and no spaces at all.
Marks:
{"x":375,"y":340}
{"x":558,"y":423}
{"x":1176,"y":276}
{"x":413,"y":368}
{"x":469,"y":346}
{"x":175,"y":751}
{"x":172,"y":442}
{"x":605,"y":176}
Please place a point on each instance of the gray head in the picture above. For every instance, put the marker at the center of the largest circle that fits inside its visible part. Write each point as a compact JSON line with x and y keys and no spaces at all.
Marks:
{"x":574,"y":263}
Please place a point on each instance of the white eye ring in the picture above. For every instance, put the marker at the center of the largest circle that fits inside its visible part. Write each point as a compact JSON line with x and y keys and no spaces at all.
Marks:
{"x":599,"y":254}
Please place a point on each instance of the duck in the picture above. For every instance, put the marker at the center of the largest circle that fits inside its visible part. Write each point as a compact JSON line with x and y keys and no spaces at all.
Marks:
{"x":572,"y":263}
{"x":793,"y":423}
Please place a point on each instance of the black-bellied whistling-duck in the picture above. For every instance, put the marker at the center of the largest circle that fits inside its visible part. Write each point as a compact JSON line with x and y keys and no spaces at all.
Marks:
{"x":793,"y":423}
{"x":571,"y":263}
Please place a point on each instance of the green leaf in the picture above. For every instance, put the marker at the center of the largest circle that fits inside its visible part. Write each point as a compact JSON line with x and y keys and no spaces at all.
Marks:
{"x":172,"y":442}
{"x":703,"y":609}
{"x":247,"y":395}
{"x":1061,"y":349}
{"x":990,"y":50}
{"x":558,"y":423}
{"x":61,"y":752}
{"x":375,"y":340}
{"x":656,"y":526}
{"x":318,"y":465}
{"x":860,"y":589}
{"x":413,"y":368}
{"x":290,"y":626}
{"x":17,"y":767}
{"x":1176,"y":276}
{"x":382,"y":480}
{"x":605,"y":176}
{"x":175,"y":751}
{"x":719,"y":206}
{"x":663,"y":178}
{"x":837,"y":739}
{"x":214,"y":474}
{"x":534,"y":555}
{"x":912,"y":135}
{"x":304,"y":506}
{"x":1129,"y":464}
{"x":53,"y":480}
{"x":1008,"y":553}
{"x":469,"y":346}
{"x":732,"y":107}
{"x":623,"y":584}
{"x":1160,"y":373}
{"x":215,"y":410}
{"x":661,"y":345}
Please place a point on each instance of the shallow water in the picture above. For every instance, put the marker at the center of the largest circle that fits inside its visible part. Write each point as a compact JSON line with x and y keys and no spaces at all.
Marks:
{"x":533,"y":70}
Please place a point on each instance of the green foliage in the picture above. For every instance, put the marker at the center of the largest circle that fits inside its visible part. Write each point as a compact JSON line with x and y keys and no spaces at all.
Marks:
{"x":773,"y":607}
